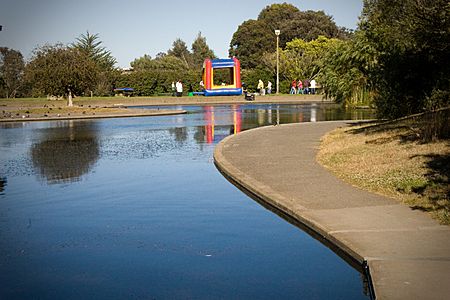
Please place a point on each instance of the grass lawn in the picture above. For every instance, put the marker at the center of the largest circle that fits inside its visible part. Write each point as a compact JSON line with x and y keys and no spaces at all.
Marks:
{"x":392,"y":161}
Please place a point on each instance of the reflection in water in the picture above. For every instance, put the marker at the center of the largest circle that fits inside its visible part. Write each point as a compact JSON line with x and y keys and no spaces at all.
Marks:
{"x":213,"y":133}
{"x":66,"y":154}
{"x":221,"y":121}
{"x":3,"y":184}
{"x":209,"y":127}
{"x":313,"y":112}
{"x":180,"y":133}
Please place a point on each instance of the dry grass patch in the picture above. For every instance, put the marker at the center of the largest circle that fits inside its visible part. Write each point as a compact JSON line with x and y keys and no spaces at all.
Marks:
{"x":391,"y":162}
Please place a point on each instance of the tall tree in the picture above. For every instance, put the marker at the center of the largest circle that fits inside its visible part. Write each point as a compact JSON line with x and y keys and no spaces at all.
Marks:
{"x":91,"y":45}
{"x":411,"y":39}
{"x":308,"y":26}
{"x":276,"y":14}
{"x":200,"y":51}
{"x":59,"y":70}
{"x":255,"y":37}
{"x":180,"y":50}
{"x":250,"y":41}
{"x":11,"y":71}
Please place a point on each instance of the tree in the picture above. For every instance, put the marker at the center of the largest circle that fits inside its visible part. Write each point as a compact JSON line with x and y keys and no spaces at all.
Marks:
{"x":90,"y":45}
{"x":142,"y":63}
{"x":161,"y":63}
{"x":305,"y":60}
{"x":11,"y":71}
{"x":411,"y":39}
{"x":346,"y":68}
{"x":277,"y":14}
{"x":201,"y":51}
{"x":59,"y":70}
{"x":180,"y":50}
{"x":255,"y":37}
{"x":308,"y":26}
{"x":155,"y":75}
{"x":250,"y":41}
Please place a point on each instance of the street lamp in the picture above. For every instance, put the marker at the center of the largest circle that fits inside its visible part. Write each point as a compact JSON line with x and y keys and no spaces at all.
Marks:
{"x":277,"y":33}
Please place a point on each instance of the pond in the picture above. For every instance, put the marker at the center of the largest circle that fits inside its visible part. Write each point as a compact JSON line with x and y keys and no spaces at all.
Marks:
{"x":134,"y":208}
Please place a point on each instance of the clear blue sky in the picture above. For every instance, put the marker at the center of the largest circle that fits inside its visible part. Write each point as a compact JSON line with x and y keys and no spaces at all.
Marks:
{"x":130,"y":29}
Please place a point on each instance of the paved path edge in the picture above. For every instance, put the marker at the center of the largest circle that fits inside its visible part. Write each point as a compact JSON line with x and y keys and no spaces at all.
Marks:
{"x":406,"y":251}
{"x":274,"y":199}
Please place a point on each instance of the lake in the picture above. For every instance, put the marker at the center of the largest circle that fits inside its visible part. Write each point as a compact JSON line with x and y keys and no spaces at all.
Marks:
{"x":134,"y":208}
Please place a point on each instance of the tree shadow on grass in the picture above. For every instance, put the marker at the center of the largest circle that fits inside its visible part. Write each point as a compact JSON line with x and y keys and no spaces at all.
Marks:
{"x":401,"y":133}
{"x":423,"y":128}
{"x":437,"y":188}
{"x":438,"y":173}
{"x":435,"y":192}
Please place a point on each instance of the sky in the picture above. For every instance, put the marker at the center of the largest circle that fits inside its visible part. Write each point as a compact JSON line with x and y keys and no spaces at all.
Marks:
{"x":130,"y":29}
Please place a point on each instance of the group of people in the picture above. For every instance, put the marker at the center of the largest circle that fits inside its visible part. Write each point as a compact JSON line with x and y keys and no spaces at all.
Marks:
{"x":177,"y":88}
{"x":262,"y":90}
{"x":297,"y":87}
{"x":305,"y":87}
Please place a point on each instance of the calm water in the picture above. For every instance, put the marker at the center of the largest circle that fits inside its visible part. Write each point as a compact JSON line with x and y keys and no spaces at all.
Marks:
{"x":135,"y":209}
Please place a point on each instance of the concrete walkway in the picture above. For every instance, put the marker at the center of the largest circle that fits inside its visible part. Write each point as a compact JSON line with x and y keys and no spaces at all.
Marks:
{"x":407,"y":252}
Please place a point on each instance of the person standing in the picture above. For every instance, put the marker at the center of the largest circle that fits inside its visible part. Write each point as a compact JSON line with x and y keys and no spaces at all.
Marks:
{"x":173,"y":89}
{"x":261,"y":87}
{"x":313,"y":86}
{"x":269,"y":87}
{"x":306,"y":86}
{"x":293,"y":86}
{"x":299,"y":87}
{"x":179,"y":87}
{"x":202,"y":86}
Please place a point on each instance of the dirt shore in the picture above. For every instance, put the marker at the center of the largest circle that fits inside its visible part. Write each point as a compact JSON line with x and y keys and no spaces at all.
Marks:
{"x":37,"y":109}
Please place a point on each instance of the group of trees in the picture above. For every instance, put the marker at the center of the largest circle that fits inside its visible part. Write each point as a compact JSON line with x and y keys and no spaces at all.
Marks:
{"x":253,"y":38}
{"x":12,"y":68}
{"x":304,"y":37}
{"x":155,"y":75}
{"x":84,"y":67}
{"x":410,"y":42}
{"x":397,"y":59}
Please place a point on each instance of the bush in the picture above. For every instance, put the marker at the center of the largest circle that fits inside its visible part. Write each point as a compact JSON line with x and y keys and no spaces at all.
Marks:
{"x":148,"y":83}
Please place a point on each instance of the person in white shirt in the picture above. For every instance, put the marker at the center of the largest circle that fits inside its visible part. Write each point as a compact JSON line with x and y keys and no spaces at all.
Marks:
{"x":313,"y":86}
{"x":261,"y":87}
{"x":179,"y":87}
{"x":269,"y":87}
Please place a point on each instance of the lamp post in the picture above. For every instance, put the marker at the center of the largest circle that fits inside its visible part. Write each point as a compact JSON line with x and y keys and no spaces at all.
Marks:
{"x":277,"y":33}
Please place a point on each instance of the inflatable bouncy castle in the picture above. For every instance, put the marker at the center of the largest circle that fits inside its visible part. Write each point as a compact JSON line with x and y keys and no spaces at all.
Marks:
{"x":222,"y":77}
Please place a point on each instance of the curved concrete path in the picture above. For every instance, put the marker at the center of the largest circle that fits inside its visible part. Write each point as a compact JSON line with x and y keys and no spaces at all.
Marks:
{"x":407,"y":252}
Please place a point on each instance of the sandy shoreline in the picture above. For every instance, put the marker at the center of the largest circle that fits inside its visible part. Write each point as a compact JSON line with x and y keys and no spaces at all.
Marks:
{"x":129,"y":113}
{"x":21,"y":110}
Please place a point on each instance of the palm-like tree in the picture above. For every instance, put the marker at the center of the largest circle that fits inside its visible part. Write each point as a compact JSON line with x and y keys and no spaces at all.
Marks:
{"x":92,"y":46}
